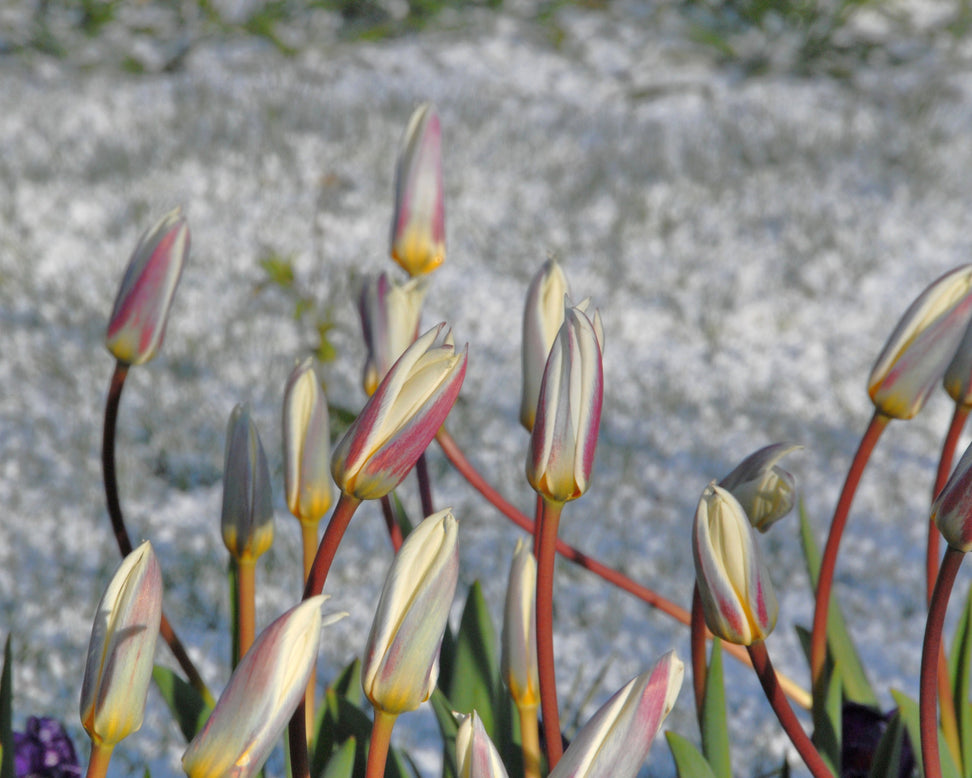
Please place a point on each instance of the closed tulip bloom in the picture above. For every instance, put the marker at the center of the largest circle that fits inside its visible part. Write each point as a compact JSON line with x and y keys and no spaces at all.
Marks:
{"x":260,"y":698}
{"x":542,"y":317}
{"x":401,"y":660}
{"x":400,"y":419}
{"x":247,"y":519}
{"x":307,"y":445}
{"x":764,"y":489}
{"x":390,"y":316}
{"x":476,"y":756}
{"x":519,"y":645}
{"x":564,"y":434}
{"x":137,"y":324}
{"x":121,"y":651}
{"x":922,"y":345}
{"x":952,"y":509}
{"x":734,"y":584}
{"x":615,"y":742}
{"x":418,"y":225}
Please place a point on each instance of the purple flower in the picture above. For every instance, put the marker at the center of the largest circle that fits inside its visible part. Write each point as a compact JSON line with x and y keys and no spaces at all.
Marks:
{"x":44,"y":751}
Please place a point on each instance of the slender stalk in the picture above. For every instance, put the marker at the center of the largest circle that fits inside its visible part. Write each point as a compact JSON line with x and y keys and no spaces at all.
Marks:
{"x":959,"y":416}
{"x":767,"y":678}
{"x":425,"y":485}
{"x":697,"y":640}
{"x":928,"y":684}
{"x":394,"y":531}
{"x":246,"y":593}
{"x":381,"y":730}
{"x":98,"y":763}
{"x":530,"y":740}
{"x":547,"y":535}
{"x":828,"y":562}
{"x":121,"y":533}
{"x":308,"y":540}
{"x":459,"y":461}
{"x":537,"y":513}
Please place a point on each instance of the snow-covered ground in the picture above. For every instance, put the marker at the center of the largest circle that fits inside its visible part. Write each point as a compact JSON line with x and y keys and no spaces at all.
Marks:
{"x":749,"y":240}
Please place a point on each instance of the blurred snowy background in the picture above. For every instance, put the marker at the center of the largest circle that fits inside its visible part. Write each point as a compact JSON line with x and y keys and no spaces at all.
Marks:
{"x":751,"y":191}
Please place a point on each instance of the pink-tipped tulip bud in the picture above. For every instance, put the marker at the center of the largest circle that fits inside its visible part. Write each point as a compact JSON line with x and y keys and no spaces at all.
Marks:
{"x":734,"y":584}
{"x":542,"y":317}
{"x":952,"y":509}
{"x":615,"y":742}
{"x":476,"y":756}
{"x":418,"y":225}
{"x":958,"y":374}
{"x":390,"y":316}
{"x":564,"y":434}
{"x":922,"y":345}
{"x":400,"y":419}
{"x":307,"y":445}
{"x":247,"y":519}
{"x":519,"y":644}
{"x":261,"y":696}
{"x":120,"y":655}
{"x":764,"y":489}
{"x":137,"y":324}
{"x":401,"y":660}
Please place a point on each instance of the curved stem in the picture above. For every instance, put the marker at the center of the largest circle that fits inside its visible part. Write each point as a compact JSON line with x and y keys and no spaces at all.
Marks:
{"x":546,"y":542}
{"x":767,"y":678}
{"x":959,"y":416}
{"x":529,"y":740}
{"x":121,"y":533}
{"x":425,"y":485}
{"x":929,"y":662}
{"x":394,"y":531}
{"x":98,"y":763}
{"x":828,"y":562}
{"x":651,"y":598}
{"x":697,"y":639}
{"x":381,"y":730}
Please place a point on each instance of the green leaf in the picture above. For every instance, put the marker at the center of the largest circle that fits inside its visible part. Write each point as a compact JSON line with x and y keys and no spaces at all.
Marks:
{"x":279,"y":270}
{"x":475,"y":666}
{"x":397,"y":765}
{"x":341,"y":763}
{"x":959,"y":672}
{"x":448,"y":729}
{"x":853,"y":678}
{"x":715,"y":732}
{"x":338,"y":719}
{"x":186,"y":704}
{"x":887,"y":755}
{"x":6,"y":713}
{"x":908,"y":710}
{"x":827,"y":710}
{"x":689,"y":762}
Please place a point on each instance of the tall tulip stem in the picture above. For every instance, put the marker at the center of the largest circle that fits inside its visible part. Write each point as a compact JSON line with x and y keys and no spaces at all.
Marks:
{"x":425,"y":485}
{"x":308,"y":542}
{"x":959,"y":416}
{"x":697,"y":640}
{"x":246,"y":600}
{"x":777,"y":699}
{"x":928,"y":684}
{"x":98,"y":762}
{"x":529,"y":740}
{"x":381,"y":730}
{"x":828,"y":562}
{"x":547,"y":539}
{"x":394,"y":531}
{"x":459,"y":461}
{"x":121,"y":533}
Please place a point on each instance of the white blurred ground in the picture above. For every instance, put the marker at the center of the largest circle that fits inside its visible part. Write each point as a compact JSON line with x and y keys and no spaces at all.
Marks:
{"x":749,"y":240}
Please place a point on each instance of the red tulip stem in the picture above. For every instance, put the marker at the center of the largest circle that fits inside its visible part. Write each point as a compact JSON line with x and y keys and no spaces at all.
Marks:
{"x":959,"y":416}
{"x":425,"y":485}
{"x":546,"y":543}
{"x":697,"y":641}
{"x":246,"y":600}
{"x":381,"y":730}
{"x":394,"y":531}
{"x":825,"y":581}
{"x":98,"y":762}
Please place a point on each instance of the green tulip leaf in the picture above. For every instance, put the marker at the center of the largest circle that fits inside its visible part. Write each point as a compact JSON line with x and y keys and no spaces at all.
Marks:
{"x":887,"y":756}
{"x":827,"y":709}
{"x":853,"y":677}
{"x":338,"y":720}
{"x":474,"y":675}
{"x":908,"y":710}
{"x":448,"y":728}
{"x":689,"y":762}
{"x":187,"y":705}
{"x":959,"y":672}
{"x":715,"y":730}
{"x":397,"y":765}
{"x":6,"y":713}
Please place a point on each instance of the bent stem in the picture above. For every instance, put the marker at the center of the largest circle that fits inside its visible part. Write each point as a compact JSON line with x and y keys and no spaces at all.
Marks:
{"x":828,"y":562}
{"x":394,"y":531}
{"x":931,"y":647}
{"x":959,"y":416}
{"x":121,"y":533}
{"x":651,"y":598}
{"x":545,"y":540}
{"x":381,"y":731}
{"x":529,"y":740}
{"x":98,"y":763}
{"x":697,"y":640}
{"x":788,"y":720}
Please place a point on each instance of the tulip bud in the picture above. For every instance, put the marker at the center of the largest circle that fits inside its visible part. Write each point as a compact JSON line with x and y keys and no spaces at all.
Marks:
{"x":307,"y":445}
{"x":400,"y":419}
{"x":952,"y":509}
{"x":247,"y":519}
{"x":542,"y":317}
{"x":261,"y":696}
{"x":564,"y":435}
{"x":476,"y":756}
{"x":958,"y":375}
{"x":390,"y":316}
{"x":418,"y":226}
{"x":120,"y":654}
{"x":401,"y":661}
{"x":922,"y":345}
{"x":764,"y":489}
{"x":734,"y":584}
{"x":615,"y":742}
{"x":137,"y":324}
{"x":519,"y":645}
